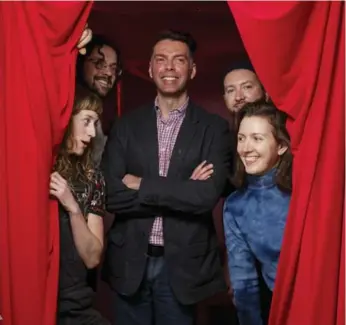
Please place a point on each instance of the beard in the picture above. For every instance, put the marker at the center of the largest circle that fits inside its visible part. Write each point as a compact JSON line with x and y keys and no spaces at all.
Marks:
{"x":100,"y":89}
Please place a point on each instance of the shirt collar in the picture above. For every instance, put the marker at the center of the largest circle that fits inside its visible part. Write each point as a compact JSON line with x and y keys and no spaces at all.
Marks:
{"x":180,"y":109}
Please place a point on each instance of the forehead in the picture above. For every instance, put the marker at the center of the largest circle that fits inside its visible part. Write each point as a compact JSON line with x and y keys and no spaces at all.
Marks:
{"x":240,"y":76}
{"x":255,"y":124}
{"x":169,"y":47}
{"x":106,"y":51}
{"x":87,"y":114}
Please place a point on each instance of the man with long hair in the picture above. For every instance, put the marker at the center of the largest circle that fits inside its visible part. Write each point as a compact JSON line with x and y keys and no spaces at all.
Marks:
{"x":99,"y":69}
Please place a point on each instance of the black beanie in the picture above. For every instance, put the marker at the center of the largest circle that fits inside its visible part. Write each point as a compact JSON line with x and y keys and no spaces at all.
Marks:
{"x":243,"y":64}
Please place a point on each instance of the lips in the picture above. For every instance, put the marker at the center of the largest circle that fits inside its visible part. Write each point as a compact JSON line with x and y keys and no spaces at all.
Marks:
{"x":103,"y":82}
{"x":250,"y":160}
{"x":239,"y":106}
{"x":85,"y":143}
{"x":169,"y":79}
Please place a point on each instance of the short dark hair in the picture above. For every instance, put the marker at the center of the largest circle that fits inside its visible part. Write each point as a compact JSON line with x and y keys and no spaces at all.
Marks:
{"x":277,"y":119}
{"x":96,"y":41}
{"x":184,"y":37}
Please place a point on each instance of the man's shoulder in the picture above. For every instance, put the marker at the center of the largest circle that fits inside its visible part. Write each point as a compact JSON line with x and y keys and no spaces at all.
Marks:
{"x":134,"y":117}
{"x":139,"y":112}
{"x":209,"y":117}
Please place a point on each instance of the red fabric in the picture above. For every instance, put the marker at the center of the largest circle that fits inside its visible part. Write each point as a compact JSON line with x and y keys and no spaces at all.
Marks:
{"x":298,"y":51}
{"x":119,"y":98}
{"x":37,"y":64}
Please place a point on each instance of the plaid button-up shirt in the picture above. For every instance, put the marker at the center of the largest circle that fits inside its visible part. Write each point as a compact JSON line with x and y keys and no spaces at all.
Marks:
{"x":167,"y":131}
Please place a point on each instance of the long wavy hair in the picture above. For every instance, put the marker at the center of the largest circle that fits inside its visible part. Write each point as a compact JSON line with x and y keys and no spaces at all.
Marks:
{"x":72,"y":167}
{"x":277,"y":120}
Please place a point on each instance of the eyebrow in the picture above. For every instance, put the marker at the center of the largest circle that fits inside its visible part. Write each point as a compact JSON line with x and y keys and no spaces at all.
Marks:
{"x":243,"y":83}
{"x":174,"y":56}
{"x":255,"y":133}
{"x":91,"y":117}
{"x":101,"y":58}
{"x":95,"y":57}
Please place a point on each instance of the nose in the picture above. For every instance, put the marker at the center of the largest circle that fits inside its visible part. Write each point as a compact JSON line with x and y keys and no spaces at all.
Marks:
{"x":245,"y":146}
{"x":248,"y":146}
{"x":239,"y":95}
{"x":92,"y":131}
{"x":107,"y":70}
{"x":169,"y":65}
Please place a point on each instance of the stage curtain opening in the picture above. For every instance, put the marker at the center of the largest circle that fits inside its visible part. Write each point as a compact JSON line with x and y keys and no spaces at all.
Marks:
{"x":37,"y":68}
{"x":298,"y":51}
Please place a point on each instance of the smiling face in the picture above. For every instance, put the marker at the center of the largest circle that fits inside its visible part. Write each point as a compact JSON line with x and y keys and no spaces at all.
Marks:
{"x":241,"y":86}
{"x":171,"y":67}
{"x":100,"y":70}
{"x":83,"y":126}
{"x":257,"y":147}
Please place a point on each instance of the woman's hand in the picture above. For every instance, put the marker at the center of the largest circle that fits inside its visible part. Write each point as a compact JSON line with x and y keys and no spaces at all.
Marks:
{"x":84,"y":39}
{"x":59,"y":188}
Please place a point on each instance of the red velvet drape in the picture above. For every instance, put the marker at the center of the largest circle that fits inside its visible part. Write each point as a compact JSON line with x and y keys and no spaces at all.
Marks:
{"x":37,"y":66}
{"x":298,"y":51}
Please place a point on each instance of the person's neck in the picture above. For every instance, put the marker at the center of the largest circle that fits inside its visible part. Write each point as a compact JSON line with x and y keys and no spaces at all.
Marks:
{"x":170,"y":103}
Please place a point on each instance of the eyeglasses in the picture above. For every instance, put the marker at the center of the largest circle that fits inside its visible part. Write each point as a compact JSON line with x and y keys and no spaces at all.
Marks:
{"x":101,"y":64}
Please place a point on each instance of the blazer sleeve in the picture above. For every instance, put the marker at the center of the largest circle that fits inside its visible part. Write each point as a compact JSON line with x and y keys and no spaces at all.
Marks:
{"x":242,"y":270}
{"x":193,"y":196}
{"x":119,"y":198}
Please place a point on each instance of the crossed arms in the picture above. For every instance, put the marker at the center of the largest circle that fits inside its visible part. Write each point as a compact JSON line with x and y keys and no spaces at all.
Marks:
{"x":130,"y":194}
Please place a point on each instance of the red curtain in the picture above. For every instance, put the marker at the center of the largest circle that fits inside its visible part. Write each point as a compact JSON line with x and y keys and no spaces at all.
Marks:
{"x":37,"y":66}
{"x":298,"y":51}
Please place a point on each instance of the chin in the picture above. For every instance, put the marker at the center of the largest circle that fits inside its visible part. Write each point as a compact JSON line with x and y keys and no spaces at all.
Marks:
{"x":255,"y":170}
{"x":171,"y":92}
{"x":102,"y":92}
{"x":78,"y":153}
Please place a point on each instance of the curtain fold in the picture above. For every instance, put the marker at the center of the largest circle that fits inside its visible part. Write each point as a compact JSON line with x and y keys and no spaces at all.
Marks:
{"x":37,"y":67}
{"x":298,"y":51}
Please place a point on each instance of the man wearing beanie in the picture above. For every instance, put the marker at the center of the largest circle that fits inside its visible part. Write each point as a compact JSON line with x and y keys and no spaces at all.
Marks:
{"x":241,"y":86}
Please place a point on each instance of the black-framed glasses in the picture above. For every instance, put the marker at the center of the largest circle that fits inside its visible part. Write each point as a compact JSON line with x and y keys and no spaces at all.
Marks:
{"x":101,"y":64}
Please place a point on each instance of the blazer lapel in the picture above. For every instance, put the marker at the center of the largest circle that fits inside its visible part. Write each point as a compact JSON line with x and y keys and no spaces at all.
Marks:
{"x":148,"y":134}
{"x":184,"y":140}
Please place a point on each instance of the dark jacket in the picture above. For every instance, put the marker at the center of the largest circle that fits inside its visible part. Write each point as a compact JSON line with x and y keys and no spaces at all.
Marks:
{"x":191,"y":249}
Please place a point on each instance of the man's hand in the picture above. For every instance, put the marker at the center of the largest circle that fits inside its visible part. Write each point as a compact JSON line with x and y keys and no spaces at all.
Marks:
{"x":132,"y":182}
{"x":84,"y":40}
{"x":202,"y":172}
{"x":59,"y":188}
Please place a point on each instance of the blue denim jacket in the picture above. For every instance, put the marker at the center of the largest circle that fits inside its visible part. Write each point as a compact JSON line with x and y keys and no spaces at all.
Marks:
{"x":254,"y":220}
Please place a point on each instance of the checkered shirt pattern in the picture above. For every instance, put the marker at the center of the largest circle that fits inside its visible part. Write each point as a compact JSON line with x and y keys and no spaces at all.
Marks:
{"x":167,"y":131}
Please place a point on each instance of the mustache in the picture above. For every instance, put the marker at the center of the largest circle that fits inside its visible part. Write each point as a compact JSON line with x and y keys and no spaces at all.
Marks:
{"x":240,"y":104}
